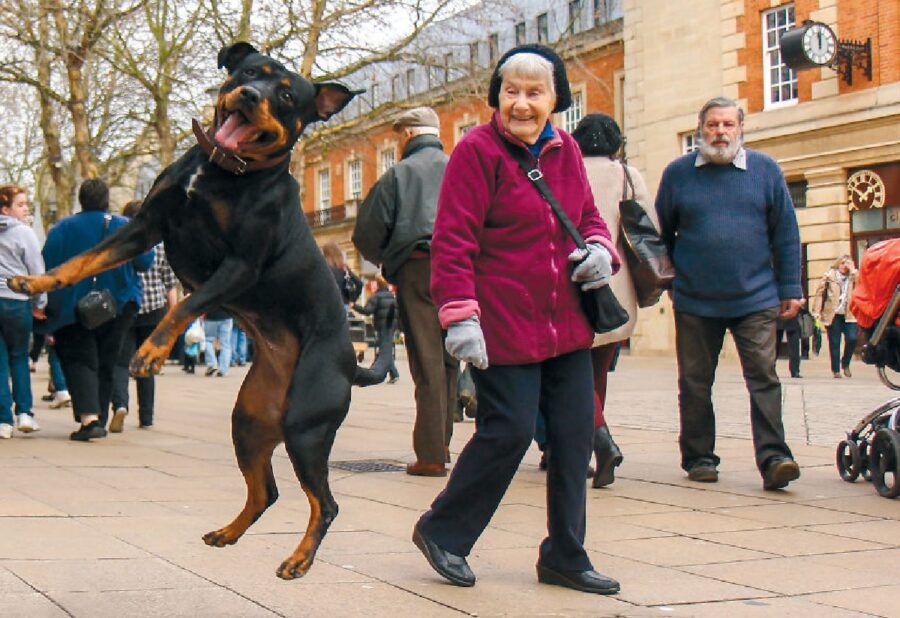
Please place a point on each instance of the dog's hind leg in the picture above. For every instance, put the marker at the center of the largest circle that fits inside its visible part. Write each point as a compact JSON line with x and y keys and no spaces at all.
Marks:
{"x":256,"y":429}
{"x":318,"y":403}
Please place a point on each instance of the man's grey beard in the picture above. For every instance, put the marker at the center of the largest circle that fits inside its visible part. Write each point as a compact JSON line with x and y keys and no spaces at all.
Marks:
{"x":721,"y":155}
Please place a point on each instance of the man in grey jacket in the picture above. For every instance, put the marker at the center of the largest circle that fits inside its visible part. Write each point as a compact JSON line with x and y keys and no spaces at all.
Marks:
{"x":393,"y":229}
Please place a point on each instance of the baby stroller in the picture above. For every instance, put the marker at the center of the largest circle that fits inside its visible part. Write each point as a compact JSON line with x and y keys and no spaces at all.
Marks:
{"x":872,"y":447}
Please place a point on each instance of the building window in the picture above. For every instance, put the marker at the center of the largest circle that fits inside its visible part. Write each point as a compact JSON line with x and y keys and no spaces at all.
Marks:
{"x":146,"y":175}
{"x":473,"y":55}
{"x":386,"y":159}
{"x":574,"y":16}
{"x":375,"y":94}
{"x":493,"y":48}
{"x":324,"y":189}
{"x":395,"y":87}
{"x":520,"y":33}
{"x":354,"y":179}
{"x":448,"y":62}
{"x":607,"y":10}
{"x":543,"y":28}
{"x":780,"y":82}
{"x":464,"y":127}
{"x":410,"y":82}
{"x":575,"y":113}
{"x":798,"y":193}
{"x":689,"y":142}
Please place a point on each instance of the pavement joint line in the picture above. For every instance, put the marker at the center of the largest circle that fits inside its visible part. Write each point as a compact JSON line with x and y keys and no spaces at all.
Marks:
{"x":214,"y":583}
{"x":41,"y":593}
{"x":401,"y":588}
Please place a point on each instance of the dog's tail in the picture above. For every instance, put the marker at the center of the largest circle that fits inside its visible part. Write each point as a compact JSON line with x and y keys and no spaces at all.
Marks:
{"x":367,"y":376}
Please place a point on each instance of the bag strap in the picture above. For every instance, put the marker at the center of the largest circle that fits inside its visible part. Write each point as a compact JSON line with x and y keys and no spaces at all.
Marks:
{"x":537,"y":178}
{"x":627,"y":182}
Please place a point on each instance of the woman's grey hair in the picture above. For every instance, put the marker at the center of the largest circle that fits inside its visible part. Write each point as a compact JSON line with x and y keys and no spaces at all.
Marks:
{"x":529,"y":66}
{"x":718,"y":102}
{"x":840,"y":261}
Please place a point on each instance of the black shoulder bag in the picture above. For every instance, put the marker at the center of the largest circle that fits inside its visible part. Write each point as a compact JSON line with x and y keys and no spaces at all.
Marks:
{"x":603,"y":310}
{"x":648,"y":260}
{"x":97,"y":307}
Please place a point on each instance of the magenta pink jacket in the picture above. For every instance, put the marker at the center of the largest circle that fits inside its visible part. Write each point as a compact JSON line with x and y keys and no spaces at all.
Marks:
{"x":499,"y":252}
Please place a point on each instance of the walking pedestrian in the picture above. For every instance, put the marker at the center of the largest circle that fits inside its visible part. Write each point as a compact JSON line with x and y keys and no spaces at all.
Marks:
{"x":394,"y":228}
{"x":508,"y":294}
{"x":88,"y":357}
{"x":830,"y":305}
{"x":218,"y":325}
{"x":382,"y":306}
{"x":728,"y":221}
{"x":158,"y":294}
{"x":20,"y":254}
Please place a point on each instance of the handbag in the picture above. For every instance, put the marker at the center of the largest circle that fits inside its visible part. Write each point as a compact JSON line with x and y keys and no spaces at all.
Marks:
{"x":97,"y":307}
{"x":604,"y":313}
{"x":648,"y":259}
{"x":807,"y":325}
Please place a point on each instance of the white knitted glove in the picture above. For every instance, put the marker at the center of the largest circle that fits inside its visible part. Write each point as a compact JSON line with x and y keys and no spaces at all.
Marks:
{"x":465,"y":341}
{"x":593,"y":266}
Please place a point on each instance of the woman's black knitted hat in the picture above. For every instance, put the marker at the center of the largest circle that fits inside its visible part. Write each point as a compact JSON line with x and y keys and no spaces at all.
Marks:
{"x":560,"y":80}
{"x":598,"y":135}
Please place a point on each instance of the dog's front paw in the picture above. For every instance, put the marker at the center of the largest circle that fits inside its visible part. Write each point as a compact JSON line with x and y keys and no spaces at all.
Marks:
{"x":220,"y":538}
{"x":294,"y":567}
{"x":31,"y":285}
{"x":148,"y":360}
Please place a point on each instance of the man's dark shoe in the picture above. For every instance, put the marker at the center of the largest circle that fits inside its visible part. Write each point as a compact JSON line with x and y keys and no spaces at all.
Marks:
{"x":88,"y":432}
{"x":453,"y":567}
{"x":780,"y":472}
{"x":585,"y":581}
{"x":703,"y":472}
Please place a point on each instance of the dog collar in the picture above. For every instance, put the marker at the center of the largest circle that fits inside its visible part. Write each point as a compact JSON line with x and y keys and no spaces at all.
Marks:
{"x":227,"y":159}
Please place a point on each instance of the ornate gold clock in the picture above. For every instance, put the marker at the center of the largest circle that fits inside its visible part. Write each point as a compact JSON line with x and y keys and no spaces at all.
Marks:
{"x":865,"y":189}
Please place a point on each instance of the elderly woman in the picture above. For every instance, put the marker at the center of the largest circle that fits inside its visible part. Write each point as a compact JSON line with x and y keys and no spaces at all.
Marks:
{"x":505,"y":277}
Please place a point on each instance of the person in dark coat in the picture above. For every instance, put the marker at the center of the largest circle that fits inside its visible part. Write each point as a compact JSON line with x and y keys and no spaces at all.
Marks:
{"x":88,"y":357}
{"x":382,"y":306}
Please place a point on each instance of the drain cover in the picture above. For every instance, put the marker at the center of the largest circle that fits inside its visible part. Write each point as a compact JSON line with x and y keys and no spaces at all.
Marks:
{"x":369,"y":465}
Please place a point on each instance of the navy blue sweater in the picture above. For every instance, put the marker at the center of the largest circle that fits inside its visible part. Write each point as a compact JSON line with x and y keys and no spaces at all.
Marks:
{"x":732,"y":235}
{"x":72,"y":236}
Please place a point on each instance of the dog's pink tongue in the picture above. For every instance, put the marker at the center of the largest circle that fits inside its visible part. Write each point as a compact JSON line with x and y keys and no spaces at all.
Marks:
{"x":234,"y":131}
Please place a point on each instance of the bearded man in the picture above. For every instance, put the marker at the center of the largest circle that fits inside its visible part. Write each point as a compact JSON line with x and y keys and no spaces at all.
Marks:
{"x":729,"y":223}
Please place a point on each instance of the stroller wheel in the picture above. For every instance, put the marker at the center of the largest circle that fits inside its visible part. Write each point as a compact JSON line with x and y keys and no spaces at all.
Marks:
{"x":864,"y":471}
{"x":849,"y":463}
{"x":884,"y":462}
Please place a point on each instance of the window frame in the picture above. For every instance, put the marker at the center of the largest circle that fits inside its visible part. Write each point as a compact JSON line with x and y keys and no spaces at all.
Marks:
{"x":521,"y":29}
{"x":543,"y":28}
{"x":354,"y":176}
{"x":567,"y":119}
{"x":323,"y":189}
{"x":382,"y":155}
{"x":767,"y":50}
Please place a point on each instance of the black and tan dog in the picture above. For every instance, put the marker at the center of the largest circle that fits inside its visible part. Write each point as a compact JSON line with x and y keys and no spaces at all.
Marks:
{"x":229,"y":214}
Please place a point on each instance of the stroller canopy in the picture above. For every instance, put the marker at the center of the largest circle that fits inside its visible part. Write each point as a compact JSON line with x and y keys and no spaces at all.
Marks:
{"x":879,"y":274}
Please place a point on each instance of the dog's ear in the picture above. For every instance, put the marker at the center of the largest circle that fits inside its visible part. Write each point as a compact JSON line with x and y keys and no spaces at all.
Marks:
{"x":231,"y":55}
{"x":332,"y":98}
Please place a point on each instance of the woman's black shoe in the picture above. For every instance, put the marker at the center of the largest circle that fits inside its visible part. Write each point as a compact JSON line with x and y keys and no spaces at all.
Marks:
{"x":585,"y":581}
{"x":608,"y":457}
{"x":88,"y":432}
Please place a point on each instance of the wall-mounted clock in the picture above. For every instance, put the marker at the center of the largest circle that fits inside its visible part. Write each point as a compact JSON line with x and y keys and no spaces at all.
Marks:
{"x":865,"y":189}
{"x":812,"y":44}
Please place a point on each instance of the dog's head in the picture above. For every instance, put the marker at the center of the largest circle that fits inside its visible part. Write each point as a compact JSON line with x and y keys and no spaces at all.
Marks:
{"x":263,"y":107}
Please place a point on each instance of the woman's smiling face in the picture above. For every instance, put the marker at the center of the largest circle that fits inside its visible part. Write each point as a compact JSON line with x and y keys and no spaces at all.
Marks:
{"x":525,"y":106}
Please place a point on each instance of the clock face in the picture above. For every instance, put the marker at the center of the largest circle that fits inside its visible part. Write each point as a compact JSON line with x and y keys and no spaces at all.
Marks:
{"x":819,"y":44}
{"x":865,"y":190}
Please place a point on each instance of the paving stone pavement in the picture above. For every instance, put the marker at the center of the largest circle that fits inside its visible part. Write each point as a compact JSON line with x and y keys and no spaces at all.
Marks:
{"x":113,"y":528}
